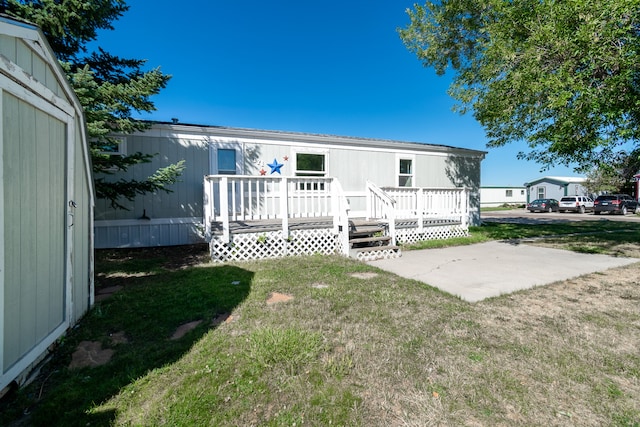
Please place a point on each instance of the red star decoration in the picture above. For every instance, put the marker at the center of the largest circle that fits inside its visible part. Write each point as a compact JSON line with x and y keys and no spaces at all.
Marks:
{"x":263,"y":172}
{"x":286,"y":158}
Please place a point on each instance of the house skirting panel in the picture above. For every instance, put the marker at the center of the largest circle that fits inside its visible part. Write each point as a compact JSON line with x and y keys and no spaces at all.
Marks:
{"x":141,"y":233}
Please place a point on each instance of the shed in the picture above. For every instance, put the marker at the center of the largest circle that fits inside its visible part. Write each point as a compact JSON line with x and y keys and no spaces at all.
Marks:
{"x":555,"y":187}
{"x":46,"y":202}
{"x":250,"y":154}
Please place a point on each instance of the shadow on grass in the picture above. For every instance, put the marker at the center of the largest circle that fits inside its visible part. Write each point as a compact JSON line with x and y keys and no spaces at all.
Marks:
{"x":147,"y":312}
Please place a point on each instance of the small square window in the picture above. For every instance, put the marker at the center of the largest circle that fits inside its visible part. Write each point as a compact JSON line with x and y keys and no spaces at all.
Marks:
{"x":509,"y":193}
{"x":226,"y":161}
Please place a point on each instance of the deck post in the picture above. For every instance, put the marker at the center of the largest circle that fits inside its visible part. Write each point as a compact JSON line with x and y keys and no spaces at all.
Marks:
{"x":207,"y":205}
{"x":340,"y":212}
{"x":284,"y":206}
{"x":224,"y":208}
{"x":420,"y":208}
{"x":465,"y":209}
{"x":369,"y":201}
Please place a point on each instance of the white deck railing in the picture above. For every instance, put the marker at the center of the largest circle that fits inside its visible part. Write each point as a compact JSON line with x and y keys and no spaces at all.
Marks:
{"x":230,"y":198}
{"x":382,"y":206}
{"x":450,"y":204}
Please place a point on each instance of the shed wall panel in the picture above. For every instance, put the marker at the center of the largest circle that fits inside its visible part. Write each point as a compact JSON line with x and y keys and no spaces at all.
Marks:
{"x":8,"y":47}
{"x":24,"y":57}
{"x":42,"y":260}
{"x":34,"y":267}
{"x":11,"y":170}
{"x":56,"y":212}
{"x":81,"y":238}
{"x":26,"y":217}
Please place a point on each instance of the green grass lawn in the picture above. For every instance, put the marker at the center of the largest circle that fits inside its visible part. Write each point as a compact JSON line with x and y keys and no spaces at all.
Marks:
{"x":356,"y":346}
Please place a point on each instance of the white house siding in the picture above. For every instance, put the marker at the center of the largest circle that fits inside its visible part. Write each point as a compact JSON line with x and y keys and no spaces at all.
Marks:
{"x":498,"y":196}
{"x":175,"y":218}
{"x":45,"y":258}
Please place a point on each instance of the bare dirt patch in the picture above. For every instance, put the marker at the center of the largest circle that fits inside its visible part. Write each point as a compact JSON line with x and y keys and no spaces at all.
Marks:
{"x":277,"y":298}
{"x":185,"y":328}
{"x":364,"y":276}
{"x":90,"y":354}
{"x":222,"y":318}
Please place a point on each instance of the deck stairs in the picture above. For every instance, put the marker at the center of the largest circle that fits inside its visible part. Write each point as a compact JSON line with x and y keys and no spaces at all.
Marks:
{"x":369,"y":240}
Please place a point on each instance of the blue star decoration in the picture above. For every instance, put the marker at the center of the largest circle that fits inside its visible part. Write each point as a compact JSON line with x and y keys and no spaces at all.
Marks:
{"x":275,"y":166}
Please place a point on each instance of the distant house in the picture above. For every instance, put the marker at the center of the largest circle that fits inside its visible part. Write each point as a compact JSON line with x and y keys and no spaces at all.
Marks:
{"x":236,"y":175}
{"x":555,"y":187}
{"x":46,"y":202}
{"x":498,"y":196}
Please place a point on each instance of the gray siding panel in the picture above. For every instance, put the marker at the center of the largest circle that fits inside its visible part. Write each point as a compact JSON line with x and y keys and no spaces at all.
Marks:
{"x":185,"y":198}
{"x":169,"y":232}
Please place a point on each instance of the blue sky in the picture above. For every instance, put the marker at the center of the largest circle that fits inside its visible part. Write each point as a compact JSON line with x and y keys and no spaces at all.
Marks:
{"x":331,"y":67}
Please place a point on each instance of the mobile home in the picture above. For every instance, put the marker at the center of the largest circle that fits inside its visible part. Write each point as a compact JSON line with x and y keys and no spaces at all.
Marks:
{"x":498,"y":196}
{"x":555,"y":187}
{"x":260,"y":169}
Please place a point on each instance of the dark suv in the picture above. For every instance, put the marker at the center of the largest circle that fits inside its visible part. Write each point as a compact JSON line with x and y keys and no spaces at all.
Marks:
{"x":615,"y":203}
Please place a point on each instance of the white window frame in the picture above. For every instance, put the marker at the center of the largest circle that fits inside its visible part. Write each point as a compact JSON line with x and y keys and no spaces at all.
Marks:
{"x":227,"y":172}
{"x":310,"y":174}
{"x":412,"y":175}
{"x":508,"y":193}
{"x":541,"y":192}
{"x":294,"y":157}
{"x":121,"y":145}
{"x":213,"y":156}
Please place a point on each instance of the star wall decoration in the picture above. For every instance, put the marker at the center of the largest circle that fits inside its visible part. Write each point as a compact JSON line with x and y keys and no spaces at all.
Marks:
{"x":263,"y":172}
{"x":286,"y":158}
{"x":275,"y":166}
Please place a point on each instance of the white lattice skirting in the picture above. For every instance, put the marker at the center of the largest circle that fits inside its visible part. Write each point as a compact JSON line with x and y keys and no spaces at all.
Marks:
{"x":248,"y":246}
{"x":408,"y":236}
{"x":378,"y":254}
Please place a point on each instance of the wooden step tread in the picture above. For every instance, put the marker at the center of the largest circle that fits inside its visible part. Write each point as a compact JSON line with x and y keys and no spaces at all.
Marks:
{"x":370,"y":239}
{"x":365,"y":231}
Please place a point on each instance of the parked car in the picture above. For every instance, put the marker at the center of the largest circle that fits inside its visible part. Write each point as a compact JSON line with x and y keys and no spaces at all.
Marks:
{"x":576,"y":204}
{"x":615,"y":203}
{"x":543,"y":205}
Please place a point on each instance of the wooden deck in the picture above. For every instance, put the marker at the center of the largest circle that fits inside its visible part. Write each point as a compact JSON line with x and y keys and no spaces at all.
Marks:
{"x":267,"y":225}
{"x":264,"y":226}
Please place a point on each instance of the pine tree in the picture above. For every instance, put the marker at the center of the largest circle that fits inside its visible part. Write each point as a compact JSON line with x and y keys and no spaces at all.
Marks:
{"x":109,"y":88}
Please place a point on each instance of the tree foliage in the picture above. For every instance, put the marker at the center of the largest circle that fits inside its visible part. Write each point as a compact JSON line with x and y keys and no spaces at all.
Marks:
{"x":109,"y":88}
{"x":616,"y":176}
{"x":563,"y":76}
